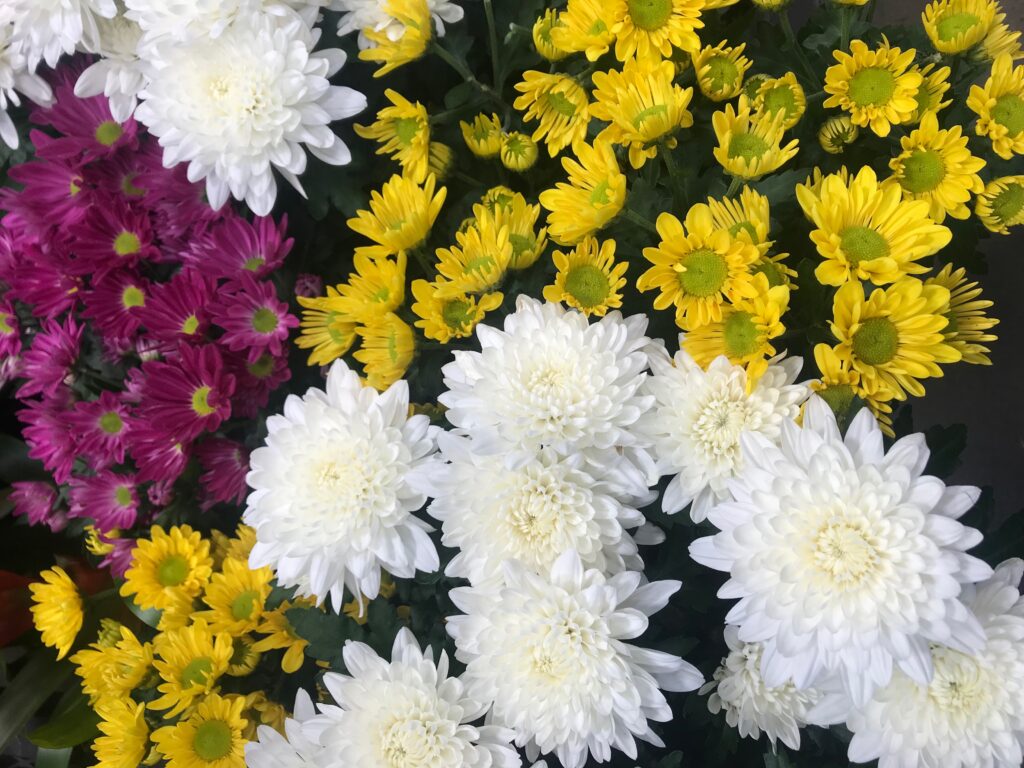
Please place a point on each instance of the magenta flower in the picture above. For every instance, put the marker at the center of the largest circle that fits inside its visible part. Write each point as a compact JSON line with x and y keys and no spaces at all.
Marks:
{"x":256,"y":381}
{"x":53,"y":196}
{"x":36,"y":501}
{"x":308,"y":286}
{"x":48,"y":363}
{"x":253,"y":318}
{"x":102,"y":428}
{"x":110,"y":499}
{"x":160,"y":494}
{"x":49,"y":436}
{"x":44,"y":281}
{"x":177,"y":310}
{"x":189,"y":395}
{"x":235,"y":246}
{"x":113,"y":235}
{"x":10,"y":338}
{"x":225,"y":464}
{"x":114,"y":304}
{"x":159,"y":456}
{"x":119,"y":559}
{"x":87,"y":126}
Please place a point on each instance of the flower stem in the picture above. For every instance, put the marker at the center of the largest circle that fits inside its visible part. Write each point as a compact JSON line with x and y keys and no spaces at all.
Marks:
{"x":844,"y":27}
{"x":466,"y":75}
{"x":641,"y":221}
{"x":787,"y":30}
{"x":420,"y":257}
{"x":734,"y":186}
{"x":674,"y":177}
{"x":492,"y":30}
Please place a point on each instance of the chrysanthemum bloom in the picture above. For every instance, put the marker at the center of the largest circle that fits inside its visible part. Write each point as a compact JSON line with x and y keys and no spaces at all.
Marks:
{"x":1001,"y":204}
{"x":166,"y":565}
{"x":236,"y":596}
{"x":211,"y":735}
{"x":836,"y":133}
{"x":750,"y":146}
{"x":48,"y":363}
{"x":642,"y":106}
{"x":781,"y":94}
{"x":403,"y":132}
{"x":113,"y":236}
{"x":937,"y":166}
{"x":876,"y":87}
{"x":999,"y":40}
{"x":111,"y":667}
{"x":933,"y":88}
{"x":254,"y":320}
{"x":46,"y":29}
{"x":560,"y":105}
{"x":999,"y":105}
{"x":110,"y":499}
{"x":585,"y":25}
{"x":955,"y":26}
{"x":865,"y":230}
{"x":968,"y":713}
{"x":588,"y":278}
{"x":159,"y":456}
{"x":520,"y":219}
{"x":404,"y":713}
{"x":225,"y":464}
{"x":15,"y":78}
{"x":839,"y":383}
{"x":405,"y":35}
{"x":375,"y":288}
{"x":548,"y":654}
{"x":331,"y":503}
{"x":234,"y":246}
{"x":746,"y":216}
{"x":188,"y":396}
{"x":118,"y":72}
{"x":113,"y":304}
{"x":968,"y":324}
{"x":479,"y":260}
{"x":720,"y":70}
{"x":279,"y":634}
{"x":255,"y":381}
{"x":445,"y":315}
{"x":697,"y":267}
{"x":272,"y":98}
{"x":57,"y":609}
{"x":400,"y":216}
{"x":325,"y":330}
{"x":750,"y":706}
{"x":53,"y":193}
{"x":177,"y":311}
{"x":593,"y":195}
{"x":542,"y":41}
{"x":653,"y":28}
{"x":189,"y":661}
{"x":102,"y":427}
{"x":288,"y":745}
{"x":483,"y":135}
{"x":50,"y":437}
{"x":125,"y":733}
{"x":35,"y":500}
{"x":698,"y":416}
{"x":86,"y":126}
{"x":894,"y":337}
{"x":518,"y":151}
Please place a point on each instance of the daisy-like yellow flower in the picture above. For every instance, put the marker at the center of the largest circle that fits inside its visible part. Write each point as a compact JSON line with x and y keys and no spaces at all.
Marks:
{"x":112,"y":670}
{"x":999,"y":105}
{"x":642,"y":106}
{"x":813,"y":183}
{"x":1001,"y":204}
{"x":498,"y":197}
{"x":865,"y":230}
{"x":781,"y":94}
{"x":244,"y":656}
{"x":414,"y":15}
{"x":697,"y":268}
{"x":747,"y":217}
{"x":167,"y":566}
{"x":57,"y":609}
{"x":876,"y":87}
{"x":650,"y":29}
{"x":933,"y":88}
{"x":388,"y":345}
{"x":968,"y":327}
{"x":259,"y":710}
{"x":836,"y":132}
{"x":894,"y":337}
{"x":588,"y":278}
{"x":955,"y":26}
{"x":400,"y":215}
{"x":324,"y":328}
{"x":593,"y":195}
{"x":480,"y":258}
{"x":720,"y":70}
{"x":520,"y":219}
{"x":518,"y":151}
{"x":403,"y":132}
{"x":281,"y":635}
{"x":483,"y":135}
{"x":753,"y":84}
{"x":190,"y":661}
{"x":375,"y":288}
{"x":774,"y":268}
{"x":840,"y":384}
{"x":440,"y":161}
{"x":745,"y":331}
{"x":446,"y":315}
{"x":585,"y":26}
{"x":542,"y":39}
{"x":936,"y":166}
{"x":560,"y":106}
{"x":999,"y":40}
{"x":236,"y":596}
{"x":749,"y":146}
{"x":210,"y":737}
{"x":238,"y":546}
{"x":125,"y":739}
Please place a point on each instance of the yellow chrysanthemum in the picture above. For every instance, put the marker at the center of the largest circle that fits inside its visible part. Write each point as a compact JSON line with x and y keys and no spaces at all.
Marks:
{"x":125,"y":739}
{"x":518,"y":151}
{"x":814,"y":182}
{"x":480,"y":258}
{"x":240,"y":545}
{"x":593,"y":195}
{"x":57,"y":609}
{"x":542,"y":39}
{"x":697,"y":268}
{"x":281,"y":635}
{"x":498,"y":197}
{"x":745,"y":331}
{"x":560,"y":106}
{"x":324,"y":328}
{"x":753,"y":84}
{"x":650,"y":29}
{"x":840,"y":383}
{"x":168,"y":566}
{"x":720,"y":70}
{"x":588,"y":278}
{"x":968,"y":324}
{"x":876,"y":87}
{"x":440,"y":161}
{"x":483,"y":135}
{"x":642,"y":106}
{"x":414,"y":15}
{"x":999,"y":40}
{"x":865,"y":230}
{"x":403,"y":132}
{"x":210,"y":737}
{"x":781,"y":94}
{"x":585,"y":25}
{"x":747,"y":217}
{"x":400,"y":215}
{"x":190,"y":661}
{"x":375,"y":288}
{"x":999,"y":105}
{"x":244,"y":656}
{"x":446,"y":315}
{"x":236,"y":597}
{"x":1001,"y":204}
{"x":836,"y":132}
{"x":259,"y":710}
{"x":894,"y":337}
{"x":749,"y":146}
{"x":955,"y":26}
{"x":112,"y":671}
{"x":774,"y":268}
{"x":178,"y":613}
{"x":933,"y":87}
{"x":388,"y":345}
{"x":520,"y":219}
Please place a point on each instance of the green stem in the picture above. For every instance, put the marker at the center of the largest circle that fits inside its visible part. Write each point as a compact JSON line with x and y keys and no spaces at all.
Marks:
{"x":641,"y":221}
{"x":787,"y":30}
{"x":844,"y":27}
{"x":492,"y":31}
{"x":466,"y":75}
{"x":734,"y":186}
{"x":674,"y":178}
{"x":441,"y":117}
{"x":420,"y":257}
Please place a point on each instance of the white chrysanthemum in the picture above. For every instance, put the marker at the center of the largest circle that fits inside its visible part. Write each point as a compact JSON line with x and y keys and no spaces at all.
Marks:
{"x":15,"y":78}
{"x":118,"y":73}
{"x":406,"y":713}
{"x":698,"y":417}
{"x":527,"y":507}
{"x":331,"y":502}
{"x":750,"y":706}
{"x":47,"y":29}
{"x":359,"y":15}
{"x":845,"y":558}
{"x":239,"y":105}
{"x":548,"y":653}
{"x":294,"y":749}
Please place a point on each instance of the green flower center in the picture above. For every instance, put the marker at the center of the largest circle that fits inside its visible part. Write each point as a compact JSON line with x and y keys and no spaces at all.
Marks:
{"x":201,"y":401}
{"x":196,"y":672}
{"x":588,"y":285}
{"x":838,"y":396}
{"x":1009,"y":203}
{"x":862,"y":244}
{"x":779,"y":99}
{"x":262,"y":367}
{"x":213,"y":740}
{"x":740,"y":335}
{"x":239,"y":651}
{"x":704,"y":273}
{"x":75,"y":186}
{"x":599,"y":195}
{"x":128,"y":188}
{"x":872,"y":87}
{"x":597,"y":28}
{"x":132,"y":296}
{"x":1009,"y":113}
{"x":457,"y":314}
{"x":5,"y":326}
{"x":649,"y":15}
{"x":721,"y":72}
{"x":190,"y":326}
{"x":515,"y":145}
{"x":406,"y":129}
{"x":923,"y":97}
{"x":172,"y":571}
{"x":111,"y":423}
{"x":127,"y":243}
{"x":955,"y":24}
{"x":748,"y":146}
{"x":254,"y":263}
{"x":244,"y":604}
{"x":770,"y":270}
{"x":744,"y":226}
{"x":123,"y":496}
{"x":753,"y":85}
{"x":338,"y":335}
{"x":952,"y":324}
{"x":923,"y":171}
{"x":560,"y":104}
{"x":264,"y":320}
{"x":658,"y":110}
{"x":521,"y":244}
{"x":876,"y":341}
{"x":108,"y":132}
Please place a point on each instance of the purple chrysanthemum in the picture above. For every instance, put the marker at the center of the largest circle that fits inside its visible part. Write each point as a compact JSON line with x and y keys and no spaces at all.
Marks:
{"x":47,"y":364}
{"x":159,"y":456}
{"x":189,"y":395}
{"x":102,"y":428}
{"x":225,"y":464}
{"x":114,"y":305}
{"x":49,"y":436}
{"x":36,"y":502}
{"x":113,"y":235}
{"x":256,"y":381}
{"x":235,"y":246}
{"x":10,"y":336}
{"x":253,"y":318}
{"x":43,"y":281}
{"x":54,"y":194}
{"x":177,"y":310}
{"x":308,"y":286}
{"x":109,"y":499}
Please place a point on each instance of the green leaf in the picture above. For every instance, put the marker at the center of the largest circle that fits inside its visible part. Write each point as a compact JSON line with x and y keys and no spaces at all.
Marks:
{"x":148,"y":616}
{"x":325,"y":632}
{"x":675,"y":760}
{"x":53,"y":758}
{"x":73,"y":724}
{"x":29,"y":690}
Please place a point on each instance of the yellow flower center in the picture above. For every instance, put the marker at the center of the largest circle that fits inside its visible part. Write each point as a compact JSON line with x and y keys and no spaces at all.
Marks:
{"x":1009,"y":113}
{"x":740,"y":335}
{"x":845,"y":552}
{"x":111,"y":423}
{"x":123,"y":496}
{"x":172,"y":571}
{"x":862,"y":244}
{"x":960,"y":686}
{"x":108,"y":132}
{"x":406,"y":129}
{"x":872,"y":87}
{"x":190,"y":326}
{"x":955,"y":24}
{"x":201,"y":401}
{"x":838,"y":396}
{"x":876,"y":341}
{"x":196,"y":672}
{"x":923,"y":171}
{"x":649,"y":15}
{"x":127,"y":243}
{"x":748,"y":146}
{"x":264,"y":320}
{"x":213,"y":740}
{"x":560,"y":104}
{"x":587,"y":284}
{"x":1009,"y":203}
{"x":779,"y":99}
{"x":132,"y":296}
{"x":244,"y":604}
{"x":702,"y":273}
{"x":457,"y":314}
{"x":721,"y":72}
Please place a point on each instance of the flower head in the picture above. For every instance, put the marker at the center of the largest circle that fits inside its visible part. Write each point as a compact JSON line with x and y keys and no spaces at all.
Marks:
{"x":560,"y":105}
{"x":189,"y":661}
{"x":585,"y":25}
{"x":166,"y":566}
{"x":57,"y":609}
{"x":483,"y":135}
{"x":178,"y":310}
{"x":235,"y":246}
{"x":588,"y":278}
{"x":783,"y":94}
{"x":542,"y":41}
{"x":956,"y":26}
{"x":404,"y":34}
{"x":750,"y":145}
{"x":125,"y":739}
{"x":387,"y":349}
{"x":593,"y":195}
{"x":45,"y":29}
{"x":35,"y":501}
{"x":114,"y":304}
{"x":225,"y":464}
{"x":444,"y":314}
{"x":1001,"y":204}
{"x":720,"y":70}
{"x":47,"y":365}
{"x":999,"y":105}
{"x":16,"y":78}
{"x":519,"y":218}
{"x":968,"y":326}
{"x":325,"y":329}
{"x":108,"y":498}
{"x":189,"y":396}
{"x":518,"y":151}
{"x":837,"y":133}
{"x":651,"y":29}
{"x":400,"y":215}
{"x":210,"y":736}
{"x":254,"y":320}
{"x":403,"y":131}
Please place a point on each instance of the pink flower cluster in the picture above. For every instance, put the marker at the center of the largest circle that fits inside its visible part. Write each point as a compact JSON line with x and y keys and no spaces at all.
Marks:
{"x":138,"y":322}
